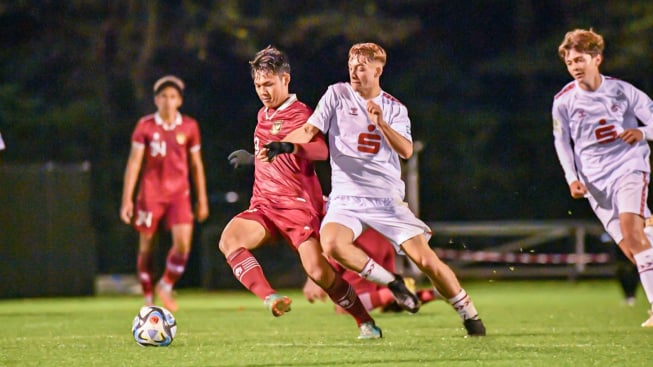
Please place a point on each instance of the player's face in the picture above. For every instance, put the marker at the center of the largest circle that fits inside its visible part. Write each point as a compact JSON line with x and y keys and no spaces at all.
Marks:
{"x":583,"y":67}
{"x":364,"y":74}
{"x":272,"y":89}
{"x":168,"y":101}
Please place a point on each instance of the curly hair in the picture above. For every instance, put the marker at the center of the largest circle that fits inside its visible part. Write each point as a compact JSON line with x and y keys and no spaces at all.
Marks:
{"x":582,"y":40}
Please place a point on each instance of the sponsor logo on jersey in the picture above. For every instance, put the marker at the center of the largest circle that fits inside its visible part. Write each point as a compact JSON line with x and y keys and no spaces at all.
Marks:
{"x":276,"y":127}
{"x":181,"y":138}
{"x":353,"y":111}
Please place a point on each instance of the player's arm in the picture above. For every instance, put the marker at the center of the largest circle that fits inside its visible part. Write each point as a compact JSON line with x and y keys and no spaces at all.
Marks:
{"x":240,"y":157}
{"x":641,"y":103}
{"x":132,"y":170}
{"x":313,"y":292}
{"x":307,"y":142}
{"x":397,"y":142}
{"x":562,"y":144}
{"x":199,"y":180}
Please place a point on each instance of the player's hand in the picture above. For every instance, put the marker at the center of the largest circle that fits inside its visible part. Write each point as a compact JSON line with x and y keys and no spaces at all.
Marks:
{"x":313,"y":292}
{"x":374,"y":112}
{"x":278,"y":147}
{"x":126,"y":212}
{"x":240,"y":157}
{"x":577,"y":189}
{"x":631,"y":136}
{"x":201,"y":211}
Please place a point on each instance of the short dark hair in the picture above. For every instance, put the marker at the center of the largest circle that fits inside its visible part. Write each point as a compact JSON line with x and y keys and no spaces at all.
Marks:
{"x":270,"y":60}
{"x":169,"y":81}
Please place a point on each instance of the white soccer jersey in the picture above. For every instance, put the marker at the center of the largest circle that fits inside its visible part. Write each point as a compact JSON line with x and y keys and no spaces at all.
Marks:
{"x":362,"y":162}
{"x":592,"y":121}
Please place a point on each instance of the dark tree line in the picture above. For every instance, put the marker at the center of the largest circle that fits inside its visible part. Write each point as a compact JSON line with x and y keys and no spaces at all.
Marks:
{"x":477,"y":76}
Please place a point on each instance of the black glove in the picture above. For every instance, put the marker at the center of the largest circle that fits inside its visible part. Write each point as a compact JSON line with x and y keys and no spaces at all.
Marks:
{"x":241,"y":157}
{"x":279,"y":147}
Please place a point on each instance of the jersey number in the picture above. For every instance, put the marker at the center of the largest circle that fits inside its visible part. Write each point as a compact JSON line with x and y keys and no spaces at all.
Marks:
{"x":369,"y":143}
{"x":605,"y":134}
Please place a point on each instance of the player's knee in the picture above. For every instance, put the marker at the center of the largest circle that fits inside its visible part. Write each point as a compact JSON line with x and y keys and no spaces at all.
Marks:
{"x":329,"y":246}
{"x":227,"y":245}
{"x":318,"y":274}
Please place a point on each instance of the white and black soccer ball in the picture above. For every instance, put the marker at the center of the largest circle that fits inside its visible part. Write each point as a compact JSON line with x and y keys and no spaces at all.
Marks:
{"x":154,"y":326}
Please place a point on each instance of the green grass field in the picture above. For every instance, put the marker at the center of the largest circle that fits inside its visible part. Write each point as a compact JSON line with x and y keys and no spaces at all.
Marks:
{"x":530,"y":323}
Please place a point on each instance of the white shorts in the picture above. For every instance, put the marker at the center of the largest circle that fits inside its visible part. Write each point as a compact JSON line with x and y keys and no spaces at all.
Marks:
{"x":626,"y":195}
{"x":392,"y":218}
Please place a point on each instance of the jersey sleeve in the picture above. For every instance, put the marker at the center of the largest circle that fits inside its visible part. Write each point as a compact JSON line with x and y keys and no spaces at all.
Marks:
{"x":139,"y":138}
{"x":562,"y":142}
{"x":400,"y":122}
{"x":325,"y":109}
{"x":642,"y":106}
{"x":194,"y":140}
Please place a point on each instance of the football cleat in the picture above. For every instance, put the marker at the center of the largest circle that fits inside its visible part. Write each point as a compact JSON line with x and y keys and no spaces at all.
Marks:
{"x":474,"y":327}
{"x":404,"y":297}
{"x":165,"y":295}
{"x":277,"y":304}
{"x":369,"y":331}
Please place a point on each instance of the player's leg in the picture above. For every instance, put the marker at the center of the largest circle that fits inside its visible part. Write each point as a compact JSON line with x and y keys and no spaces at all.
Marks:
{"x":445,"y":282}
{"x":144,"y":266}
{"x":341,"y":293}
{"x":628,"y":277}
{"x":630,"y":198}
{"x":175,"y":264}
{"x":146,"y":220}
{"x":243,"y":233}
{"x":634,"y":239}
{"x":337,"y":242}
{"x":179,"y":220}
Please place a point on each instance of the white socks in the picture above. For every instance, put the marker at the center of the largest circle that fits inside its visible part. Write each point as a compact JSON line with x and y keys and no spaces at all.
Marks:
{"x":464,"y":306}
{"x":375,"y":273}
{"x":644,"y":261}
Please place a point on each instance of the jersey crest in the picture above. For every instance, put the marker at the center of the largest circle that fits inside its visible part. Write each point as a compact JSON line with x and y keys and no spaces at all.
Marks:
{"x":181,"y":138}
{"x":276,"y":127}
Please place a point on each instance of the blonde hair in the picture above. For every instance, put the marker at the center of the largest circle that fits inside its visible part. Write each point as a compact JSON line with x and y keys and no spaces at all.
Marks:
{"x":582,"y":40}
{"x":370,"y":51}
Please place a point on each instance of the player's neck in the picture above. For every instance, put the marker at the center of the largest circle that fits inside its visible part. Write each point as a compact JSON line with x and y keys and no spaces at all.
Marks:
{"x":592,"y":84}
{"x":168,"y":117}
{"x":369,"y":93}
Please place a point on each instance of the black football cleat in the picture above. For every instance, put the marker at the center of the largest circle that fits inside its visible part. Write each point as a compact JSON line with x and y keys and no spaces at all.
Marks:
{"x":474,"y":327}
{"x":404,"y":297}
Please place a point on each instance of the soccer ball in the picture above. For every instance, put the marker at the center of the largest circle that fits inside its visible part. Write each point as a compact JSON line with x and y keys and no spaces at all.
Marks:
{"x":154,"y":326}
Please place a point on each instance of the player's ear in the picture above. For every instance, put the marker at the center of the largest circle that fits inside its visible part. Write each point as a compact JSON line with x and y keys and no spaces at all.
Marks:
{"x":286,"y":79}
{"x":599,"y":59}
{"x":378,"y":72}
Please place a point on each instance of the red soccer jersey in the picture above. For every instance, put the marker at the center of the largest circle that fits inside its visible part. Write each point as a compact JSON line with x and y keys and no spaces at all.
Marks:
{"x":289,"y":181}
{"x":165,"y":172}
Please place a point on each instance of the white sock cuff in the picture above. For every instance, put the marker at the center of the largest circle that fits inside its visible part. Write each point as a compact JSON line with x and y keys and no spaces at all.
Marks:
{"x":644,"y":259}
{"x":462,"y":294}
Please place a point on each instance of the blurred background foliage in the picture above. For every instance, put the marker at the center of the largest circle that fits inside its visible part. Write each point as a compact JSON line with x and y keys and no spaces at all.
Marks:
{"x":478,"y":78}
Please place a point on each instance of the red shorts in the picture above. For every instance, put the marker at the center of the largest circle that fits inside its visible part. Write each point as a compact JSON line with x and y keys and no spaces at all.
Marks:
{"x":148,"y":214}
{"x":295,"y":225}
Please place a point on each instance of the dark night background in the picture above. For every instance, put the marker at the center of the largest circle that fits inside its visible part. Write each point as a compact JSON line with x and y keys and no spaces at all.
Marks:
{"x":478,"y":78}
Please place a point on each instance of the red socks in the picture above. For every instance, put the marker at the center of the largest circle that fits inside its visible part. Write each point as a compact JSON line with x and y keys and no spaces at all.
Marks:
{"x":175,"y":266}
{"x":144,"y":269}
{"x":343,"y":295}
{"x":249,"y":272}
